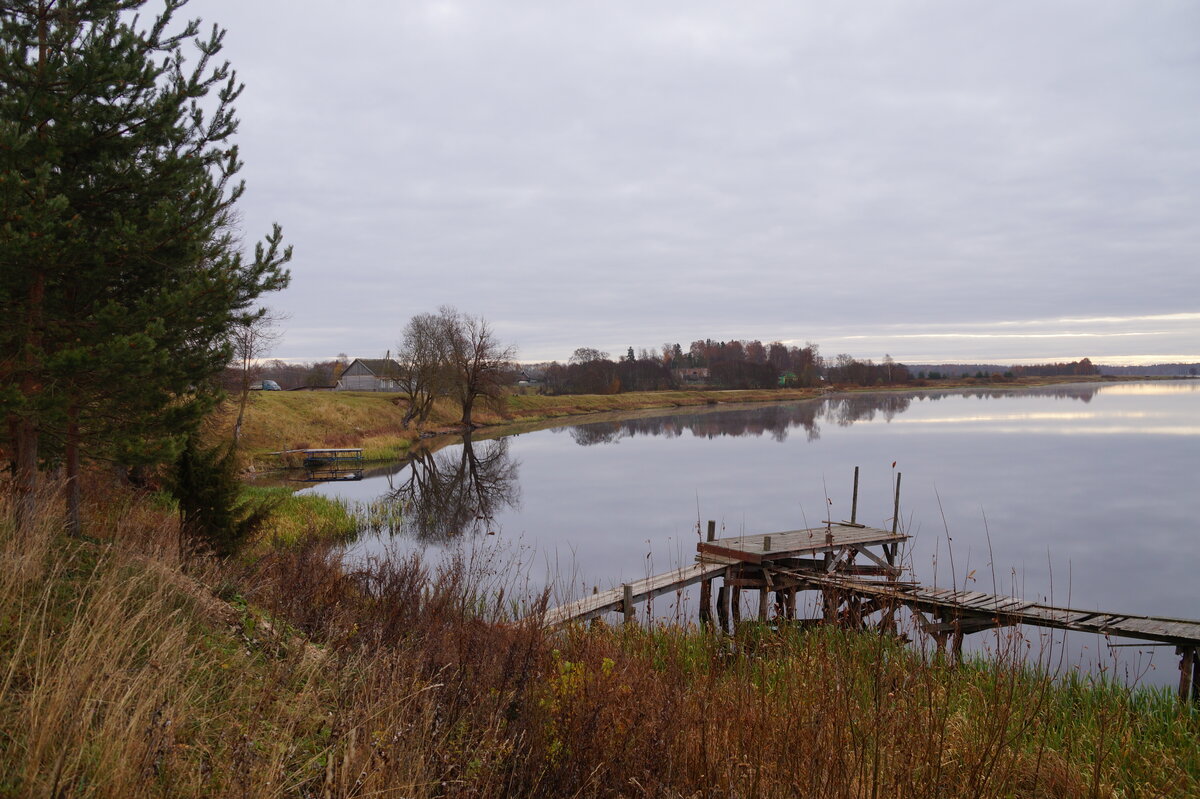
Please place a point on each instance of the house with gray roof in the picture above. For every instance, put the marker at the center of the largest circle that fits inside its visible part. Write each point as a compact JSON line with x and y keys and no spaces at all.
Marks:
{"x":370,"y":374}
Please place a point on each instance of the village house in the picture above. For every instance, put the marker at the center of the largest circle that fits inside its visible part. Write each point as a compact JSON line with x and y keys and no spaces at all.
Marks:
{"x":370,"y":374}
{"x":690,"y":374}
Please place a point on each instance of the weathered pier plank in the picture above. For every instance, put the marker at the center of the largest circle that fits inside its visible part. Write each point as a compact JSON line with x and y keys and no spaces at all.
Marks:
{"x":614,"y":599}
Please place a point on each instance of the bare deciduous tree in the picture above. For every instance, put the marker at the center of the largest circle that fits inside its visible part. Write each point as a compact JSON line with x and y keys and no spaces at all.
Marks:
{"x":587,"y":355}
{"x":252,"y":339}
{"x":424,"y":365}
{"x":478,"y":361}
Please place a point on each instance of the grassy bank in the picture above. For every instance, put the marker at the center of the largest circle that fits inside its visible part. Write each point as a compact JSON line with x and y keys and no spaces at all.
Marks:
{"x":283,"y":420}
{"x":127,"y":675}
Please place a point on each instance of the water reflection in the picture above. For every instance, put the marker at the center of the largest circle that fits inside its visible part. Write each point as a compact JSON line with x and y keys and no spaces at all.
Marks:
{"x":777,"y":421}
{"x":1055,"y":507}
{"x":455,"y":491}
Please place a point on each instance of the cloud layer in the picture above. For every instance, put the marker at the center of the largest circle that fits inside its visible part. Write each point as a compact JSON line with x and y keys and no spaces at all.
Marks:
{"x":936,"y":180}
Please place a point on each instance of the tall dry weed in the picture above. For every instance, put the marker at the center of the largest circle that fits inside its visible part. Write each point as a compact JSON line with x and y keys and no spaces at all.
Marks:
{"x":123,"y":675}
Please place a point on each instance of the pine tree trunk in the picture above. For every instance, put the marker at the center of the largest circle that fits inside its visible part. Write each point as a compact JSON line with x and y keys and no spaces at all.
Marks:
{"x":26,"y":434}
{"x":74,"y":490}
{"x":26,"y":439}
{"x":26,"y":482}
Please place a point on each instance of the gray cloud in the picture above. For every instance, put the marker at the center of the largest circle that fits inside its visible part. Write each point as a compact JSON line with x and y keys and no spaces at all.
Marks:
{"x":608,"y":174}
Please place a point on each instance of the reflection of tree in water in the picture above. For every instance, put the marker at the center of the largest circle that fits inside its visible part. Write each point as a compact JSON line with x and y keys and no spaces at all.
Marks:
{"x":773,"y":420}
{"x":845,"y":411}
{"x":453,"y":492}
{"x":1083,"y":393}
{"x":778,"y":420}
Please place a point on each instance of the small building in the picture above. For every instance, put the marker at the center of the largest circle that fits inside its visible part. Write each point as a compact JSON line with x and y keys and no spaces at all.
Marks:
{"x":370,"y":374}
{"x":530,"y":377}
{"x":690,"y":374}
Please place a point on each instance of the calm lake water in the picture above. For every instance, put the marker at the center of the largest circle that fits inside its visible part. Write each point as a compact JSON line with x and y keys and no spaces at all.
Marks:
{"x":1088,"y":494}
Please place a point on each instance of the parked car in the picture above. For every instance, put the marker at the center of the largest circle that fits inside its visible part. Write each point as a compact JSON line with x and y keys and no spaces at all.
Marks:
{"x":270,"y":385}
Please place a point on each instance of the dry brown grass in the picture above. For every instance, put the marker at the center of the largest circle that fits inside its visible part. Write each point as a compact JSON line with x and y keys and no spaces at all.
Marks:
{"x":277,"y":421}
{"x":124,"y":675}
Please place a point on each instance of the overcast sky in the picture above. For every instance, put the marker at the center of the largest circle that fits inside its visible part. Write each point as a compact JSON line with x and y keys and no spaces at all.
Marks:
{"x":950,"y":180}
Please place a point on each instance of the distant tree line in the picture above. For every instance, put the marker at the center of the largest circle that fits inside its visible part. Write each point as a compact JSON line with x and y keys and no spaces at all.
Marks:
{"x":848,"y":370}
{"x":1154,"y":370}
{"x":590,"y":371}
{"x":314,"y":374}
{"x":736,"y":364}
{"x":951,"y":371}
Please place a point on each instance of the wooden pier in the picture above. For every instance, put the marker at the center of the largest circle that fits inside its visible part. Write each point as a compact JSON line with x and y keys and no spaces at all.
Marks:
{"x":854,"y":569}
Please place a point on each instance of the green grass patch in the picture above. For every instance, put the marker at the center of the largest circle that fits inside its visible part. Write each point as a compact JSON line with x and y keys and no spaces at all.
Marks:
{"x":300,"y":517}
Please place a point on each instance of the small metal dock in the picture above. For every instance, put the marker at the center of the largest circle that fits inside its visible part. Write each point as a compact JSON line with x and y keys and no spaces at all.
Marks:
{"x":333,"y":464}
{"x":330,"y":463}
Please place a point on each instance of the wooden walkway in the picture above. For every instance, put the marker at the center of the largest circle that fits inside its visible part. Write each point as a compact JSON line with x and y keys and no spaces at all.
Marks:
{"x":717,"y":557}
{"x":855,"y":569}
{"x":972,"y":611}
{"x":784,"y":563}
{"x":615,"y":599}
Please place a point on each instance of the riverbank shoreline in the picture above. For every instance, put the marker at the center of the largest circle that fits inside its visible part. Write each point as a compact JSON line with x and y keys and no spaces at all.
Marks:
{"x":374,"y":421}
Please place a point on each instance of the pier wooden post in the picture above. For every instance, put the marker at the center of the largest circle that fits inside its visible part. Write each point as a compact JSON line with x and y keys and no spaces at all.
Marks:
{"x":854,"y":500}
{"x":887,"y":621}
{"x":828,"y":606}
{"x":735,"y":601}
{"x":706,"y":603}
{"x":791,"y":603}
{"x":782,"y":611}
{"x":940,"y":636}
{"x":627,"y":602}
{"x":723,"y":608}
{"x":890,"y":549}
{"x":1187,"y":665}
{"x":762,"y":604}
{"x":706,"y":586}
{"x":597,"y":621}
{"x":956,"y":643}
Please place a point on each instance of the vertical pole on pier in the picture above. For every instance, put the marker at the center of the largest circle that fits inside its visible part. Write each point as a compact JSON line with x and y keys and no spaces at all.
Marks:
{"x":830,"y":602}
{"x":791,"y":604}
{"x":763,"y":601}
{"x":627,"y":602}
{"x":1187,"y":665}
{"x":781,"y":605}
{"x":890,"y":549}
{"x":735,"y":602}
{"x":706,"y":585}
{"x":723,"y":608}
{"x":957,"y":643}
{"x":854,"y":500}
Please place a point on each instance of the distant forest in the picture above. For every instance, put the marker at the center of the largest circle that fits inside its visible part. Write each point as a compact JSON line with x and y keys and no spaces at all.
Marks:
{"x":739,"y":364}
{"x":1148,"y":370}
{"x":1154,"y":370}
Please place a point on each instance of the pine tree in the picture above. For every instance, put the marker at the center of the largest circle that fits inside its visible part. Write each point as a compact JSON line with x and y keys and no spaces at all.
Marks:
{"x":119,"y":267}
{"x":213,"y":517}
